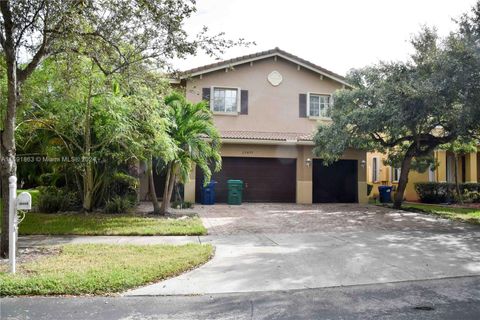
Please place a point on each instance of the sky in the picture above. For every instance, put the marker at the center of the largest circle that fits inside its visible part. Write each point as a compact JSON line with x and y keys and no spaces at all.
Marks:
{"x":337,"y":34}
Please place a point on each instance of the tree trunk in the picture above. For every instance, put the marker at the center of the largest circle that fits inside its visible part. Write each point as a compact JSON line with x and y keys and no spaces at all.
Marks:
{"x":8,"y":166}
{"x":88,"y":178}
{"x":402,"y":182}
{"x":171,"y":186}
{"x":167,"y":192}
{"x":151,"y":188}
{"x":457,"y":185}
{"x":88,"y":187}
{"x":163,"y":207}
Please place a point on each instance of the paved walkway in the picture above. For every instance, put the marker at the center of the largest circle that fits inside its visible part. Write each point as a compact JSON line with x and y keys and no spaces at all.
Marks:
{"x":30,"y":241}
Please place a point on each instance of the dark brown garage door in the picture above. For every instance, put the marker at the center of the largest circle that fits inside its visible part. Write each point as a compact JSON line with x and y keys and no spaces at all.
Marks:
{"x":336,"y":182}
{"x":265,"y":179}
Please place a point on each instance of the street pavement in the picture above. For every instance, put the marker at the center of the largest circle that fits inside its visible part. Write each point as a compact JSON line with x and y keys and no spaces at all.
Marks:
{"x":453,"y":298}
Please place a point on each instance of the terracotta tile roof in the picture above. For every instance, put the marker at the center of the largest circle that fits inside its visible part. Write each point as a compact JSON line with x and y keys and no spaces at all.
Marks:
{"x":271,"y":136}
{"x":259,"y":55}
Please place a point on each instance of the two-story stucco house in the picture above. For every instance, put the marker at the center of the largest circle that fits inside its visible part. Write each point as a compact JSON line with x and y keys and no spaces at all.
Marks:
{"x":267,"y":106}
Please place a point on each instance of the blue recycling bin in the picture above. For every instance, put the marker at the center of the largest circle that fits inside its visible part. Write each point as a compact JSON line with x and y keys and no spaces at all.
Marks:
{"x":207,"y":195}
{"x":385,"y":193}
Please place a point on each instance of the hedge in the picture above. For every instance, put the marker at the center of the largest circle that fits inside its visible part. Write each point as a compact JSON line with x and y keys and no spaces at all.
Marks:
{"x":442,"y":192}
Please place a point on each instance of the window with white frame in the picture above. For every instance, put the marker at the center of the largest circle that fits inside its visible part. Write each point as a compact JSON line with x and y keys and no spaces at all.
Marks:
{"x":395,"y":174}
{"x":375,"y":169}
{"x":319,"y":105}
{"x":225,"y":99}
{"x":431,"y":173}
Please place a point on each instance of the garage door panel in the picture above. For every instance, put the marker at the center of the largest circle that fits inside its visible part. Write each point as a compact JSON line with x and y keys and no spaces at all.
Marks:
{"x":265,"y":179}
{"x":336,"y":182}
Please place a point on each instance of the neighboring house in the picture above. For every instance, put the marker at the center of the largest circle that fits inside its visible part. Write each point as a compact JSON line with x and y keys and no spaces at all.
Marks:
{"x":380,"y":174}
{"x":267,"y":106}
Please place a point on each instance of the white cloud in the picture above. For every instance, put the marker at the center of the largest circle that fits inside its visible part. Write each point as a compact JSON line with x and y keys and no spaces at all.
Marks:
{"x":338,"y":35}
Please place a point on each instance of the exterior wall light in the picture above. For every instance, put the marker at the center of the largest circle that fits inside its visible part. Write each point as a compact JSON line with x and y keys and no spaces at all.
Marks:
{"x":363,"y":164}
{"x":308,"y":162}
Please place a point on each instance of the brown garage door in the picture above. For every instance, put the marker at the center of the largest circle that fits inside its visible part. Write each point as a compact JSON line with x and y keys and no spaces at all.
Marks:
{"x":336,"y":182}
{"x":265,"y":179}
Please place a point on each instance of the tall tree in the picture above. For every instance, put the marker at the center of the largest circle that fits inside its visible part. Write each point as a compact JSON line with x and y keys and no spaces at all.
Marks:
{"x":197,"y":142}
{"x":113,"y":33}
{"x":406,"y":108}
{"x":100,"y":122}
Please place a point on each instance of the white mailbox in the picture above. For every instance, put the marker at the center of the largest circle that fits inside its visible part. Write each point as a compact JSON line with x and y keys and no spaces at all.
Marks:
{"x":24,"y":201}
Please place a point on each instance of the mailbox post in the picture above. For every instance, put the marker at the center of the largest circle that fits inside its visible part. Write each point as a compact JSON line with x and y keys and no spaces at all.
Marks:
{"x":22,"y":202}
{"x":12,"y":226}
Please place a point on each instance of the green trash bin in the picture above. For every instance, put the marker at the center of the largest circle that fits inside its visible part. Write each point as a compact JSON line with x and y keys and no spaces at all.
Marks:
{"x":235,"y":190}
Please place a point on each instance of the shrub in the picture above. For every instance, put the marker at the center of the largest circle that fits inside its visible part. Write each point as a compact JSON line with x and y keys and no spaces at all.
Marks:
{"x":465,"y":187}
{"x":182,"y":205}
{"x":471,"y":196}
{"x":53,"y":199}
{"x":118,"y":205}
{"x":441,"y":192}
{"x":122,"y":185}
{"x":50,"y":179}
{"x":435,"y":192}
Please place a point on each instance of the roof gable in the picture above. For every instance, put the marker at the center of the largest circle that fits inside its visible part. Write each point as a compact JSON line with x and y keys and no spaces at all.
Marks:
{"x":263,"y":55}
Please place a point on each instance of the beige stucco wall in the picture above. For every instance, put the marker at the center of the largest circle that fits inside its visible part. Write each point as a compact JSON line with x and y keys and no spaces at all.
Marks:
{"x":304,"y":173}
{"x":270,"y":109}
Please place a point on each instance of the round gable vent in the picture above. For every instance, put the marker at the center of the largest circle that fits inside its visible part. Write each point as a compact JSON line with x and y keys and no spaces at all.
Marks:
{"x":275,"y":78}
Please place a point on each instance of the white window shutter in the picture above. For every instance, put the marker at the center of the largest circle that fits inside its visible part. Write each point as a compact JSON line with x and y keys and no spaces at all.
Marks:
{"x":378,"y":169}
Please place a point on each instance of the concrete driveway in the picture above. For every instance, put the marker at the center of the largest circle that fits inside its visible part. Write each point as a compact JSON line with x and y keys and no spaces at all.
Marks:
{"x":265,"y":247}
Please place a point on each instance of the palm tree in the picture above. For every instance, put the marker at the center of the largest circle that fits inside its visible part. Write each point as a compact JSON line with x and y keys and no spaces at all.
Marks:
{"x":197,"y":142}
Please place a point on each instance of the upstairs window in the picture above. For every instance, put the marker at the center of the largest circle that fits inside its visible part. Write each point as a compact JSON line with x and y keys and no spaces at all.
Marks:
{"x":225,"y":100}
{"x":319,"y":105}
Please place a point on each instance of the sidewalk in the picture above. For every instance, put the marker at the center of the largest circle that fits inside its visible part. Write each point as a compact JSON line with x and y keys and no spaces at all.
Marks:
{"x":242,"y":240}
{"x":42,"y":240}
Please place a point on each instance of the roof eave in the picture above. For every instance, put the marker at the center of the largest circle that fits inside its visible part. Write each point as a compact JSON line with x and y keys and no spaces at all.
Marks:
{"x":188,"y":74}
{"x":266,"y":142}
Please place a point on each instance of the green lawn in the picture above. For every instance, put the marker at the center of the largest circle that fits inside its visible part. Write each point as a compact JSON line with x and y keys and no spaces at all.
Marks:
{"x":101,"y":269}
{"x":105,"y":224}
{"x":471,"y":215}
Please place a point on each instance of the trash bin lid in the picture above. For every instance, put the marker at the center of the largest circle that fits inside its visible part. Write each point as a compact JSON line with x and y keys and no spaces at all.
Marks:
{"x":235,"y":181}
{"x":385,"y":188}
